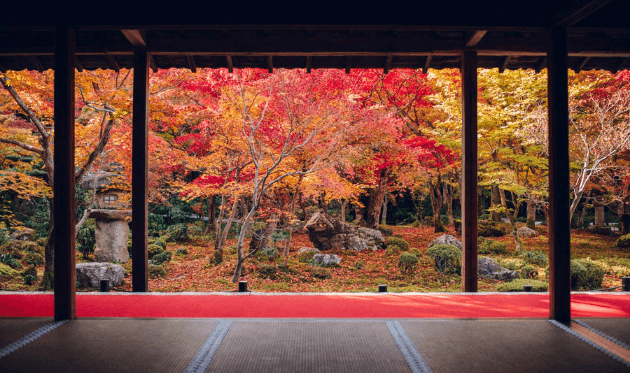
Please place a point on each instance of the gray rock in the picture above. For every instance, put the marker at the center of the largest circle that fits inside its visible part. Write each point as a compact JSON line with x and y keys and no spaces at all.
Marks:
{"x":307,"y":249}
{"x":99,"y":180}
{"x":526,"y":232}
{"x":23,"y":234}
{"x":111,"y":241}
{"x":488,"y":268}
{"x":105,"y":214}
{"x":326,"y":259}
{"x":327,"y":233}
{"x":91,"y":274}
{"x":446,"y":239}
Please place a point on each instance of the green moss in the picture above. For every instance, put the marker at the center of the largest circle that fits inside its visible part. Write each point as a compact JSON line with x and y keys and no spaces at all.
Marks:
{"x":513,"y":264}
{"x":492,"y":247}
{"x":306,"y":256}
{"x":30,"y":276}
{"x":156,"y":271}
{"x":8,"y":273}
{"x":321,"y":273}
{"x":385,"y":230}
{"x":268,"y":271}
{"x":182,"y":252}
{"x":491,"y":229}
{"x":34,"y":258}
{"x":536,"y":257}
{"x":407,"y":262}
{"x":624,"y":242}
{"x":517,"y":285}
{"x":162,"y":258}
{"x":155,"y":250}
{"x":397,"y":241}
{"x":528,"y":272}
{"x":448,"y":258}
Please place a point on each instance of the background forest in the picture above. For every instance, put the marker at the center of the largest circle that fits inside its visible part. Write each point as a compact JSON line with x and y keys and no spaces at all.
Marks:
{"x":239,"y":162}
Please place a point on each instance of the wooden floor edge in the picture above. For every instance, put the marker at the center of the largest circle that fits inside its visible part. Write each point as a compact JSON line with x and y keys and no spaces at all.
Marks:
{"x":601,"y":341}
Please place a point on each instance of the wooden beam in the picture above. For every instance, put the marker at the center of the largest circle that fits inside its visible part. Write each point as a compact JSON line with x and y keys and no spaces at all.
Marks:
{"x":582,"y":64}
{"x":559,"y":222}
{"x":348,"y":64}
{"x":469,"y":171}
{"x":137,"y":38}
{"x":577,"y":11}
{"x":139,"y":172}
{"x":37,"y":63}
{"x":504,"y":64}
{"x":230,"y":66}
{"x":153,"y":64}
{"x":542,"y":63}
{"x":475,"y":38}
{"x":63,"y":233}
{"x":113,"y":64}
{"x":427,"y":64}
{"x":191,"y":63}
{"x":78,"y":64}
{"x":388,"y":64}
{"x":270,"y":64}
{"x":309,"y":64}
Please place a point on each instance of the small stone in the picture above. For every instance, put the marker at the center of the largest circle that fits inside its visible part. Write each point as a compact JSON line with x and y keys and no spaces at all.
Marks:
{"x":326,"y":260}
{"x":526,"y":232}
{"x":91,"y":274}
{"x":446,"y":239}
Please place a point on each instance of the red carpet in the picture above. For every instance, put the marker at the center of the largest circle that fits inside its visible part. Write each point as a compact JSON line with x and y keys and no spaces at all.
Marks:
{"x":316,"y":306}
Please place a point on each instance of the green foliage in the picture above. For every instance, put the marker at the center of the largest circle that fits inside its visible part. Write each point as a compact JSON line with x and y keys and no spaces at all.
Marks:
{"x":30,"y":276}
{"x":528,"y":272}
{"x":162,"y":258}
{"x":86,"y":238}
{"x":159,"y":241}
{"x":154,"y":250}
{"x":407,"y":262}
{"x":517,"y":285}
{"x":416,"y":223}
{"x":396,"y":241}
{"x":536,"y":257}
{"x":306,"y":256}
{"x":624,"y":242}
{"x":392,"y":250}
{"x":491,"y":229}
{"x":35,"y":259}
{"x":182,"y":252}
{"x":586,"y":275}
{"x":416,"y":252}
{"x":177,"y":233}
{"x":448,"y":258}
{"x":268,"y":271}
{"x":156,"y":271}
{"x":321,"y":273}
{"x":269,"y":253}
{"x":385,"y":230}
{"x":11,"y":261}
{"x":358,"y":265}
{"x":8,"y":273}
{"x":492,"y":247}
{"x":513,"y":264}
{"x":4,"y":235}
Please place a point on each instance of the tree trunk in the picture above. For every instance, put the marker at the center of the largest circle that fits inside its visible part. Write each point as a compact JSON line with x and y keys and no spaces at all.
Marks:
{"x":220,"y":239}
{"x":448,"y":200}
{"x":574,"y":205}
{"x":582,"y":216}
{"x":531,"y":214}
{"x":358,"y":213}
{"x":376,"y":200}
{"x":384,"y":211}
{"x":344,"y":203}
{"x":212,"y":213}
{"x":436,"y":205}
{"x":496,"y":202}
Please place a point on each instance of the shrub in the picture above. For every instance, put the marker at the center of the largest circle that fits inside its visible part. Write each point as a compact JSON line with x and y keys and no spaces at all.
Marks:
{"x":321,"y":273}
{"x":536,"y":258}
{"x":306,"y":256}
{"x":392,"y":250}
{"x":528,"y":272}
{"x":269,"y":253}
{"x":416,"y":223}
{"x":492,"y":247}
{"x":416,"y":252}
{"x":407,"y":262}
{"x":11,"y":261}
{"x":86,"y":238}
{"x":624,"y":241}
{"x":162,"y":258}
{"x":401,"y":243}
{"x":517,"y":285}
{"x":588,"y":277}
{"x":30,"y":276}
{"x":358,"y":265}
{"x":160,"y":241}
{"x":448,"y":258}
{"x":7,"y":273}
{"x":154,"y":250}
{"x":513,"y":264}
{"x":182,"y":252}
{"x":34,"y":259}
{"x":491,"y":229}
{"x":156,"y":271}
{"x":385,"y":230}
{"x":5,"y":236}
{"x":268,"y":271}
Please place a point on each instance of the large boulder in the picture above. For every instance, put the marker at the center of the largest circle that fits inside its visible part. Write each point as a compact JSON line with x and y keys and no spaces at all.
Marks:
{"x":327,"y":233}
{"x":446,"y":239}
{"x":111,"y":241}
{"x":23,"y":234}
{"x":326,"y":260}
{"x":91,"y":274}
{"x":488,"y":268}
{"x":526,"y":232}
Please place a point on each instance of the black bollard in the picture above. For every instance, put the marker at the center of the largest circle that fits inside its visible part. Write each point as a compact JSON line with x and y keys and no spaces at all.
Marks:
{"x":528,"y":288}
{"x":242,"y":286}
{"x":104,"y":286}
{"x":382,"y":288}
{"x":625,"y":283}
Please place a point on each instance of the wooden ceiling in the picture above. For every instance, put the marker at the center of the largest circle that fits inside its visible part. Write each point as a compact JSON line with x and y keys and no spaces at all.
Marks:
{"x":506,"y":35}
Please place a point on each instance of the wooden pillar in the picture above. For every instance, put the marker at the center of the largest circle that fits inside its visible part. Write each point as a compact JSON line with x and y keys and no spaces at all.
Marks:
{"x":139,"y":176}
{"x":559,"y":225}
{"x":469,"y":171}
{"x":64,"y":183}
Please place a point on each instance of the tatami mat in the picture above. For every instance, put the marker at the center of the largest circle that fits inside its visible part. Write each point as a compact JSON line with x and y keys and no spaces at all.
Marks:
{"x":308,"y":346}
{"x":123,"y":345}
{"x":504,"y":346}
{"x":12,"y":330}
{"x":616,"y":328}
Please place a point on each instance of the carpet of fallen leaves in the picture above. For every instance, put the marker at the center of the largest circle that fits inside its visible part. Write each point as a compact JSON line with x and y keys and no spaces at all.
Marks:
{"x":360,"y":272}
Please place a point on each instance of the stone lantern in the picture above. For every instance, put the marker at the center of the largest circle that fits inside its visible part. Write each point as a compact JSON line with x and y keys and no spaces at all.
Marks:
{"x":112,"y":229}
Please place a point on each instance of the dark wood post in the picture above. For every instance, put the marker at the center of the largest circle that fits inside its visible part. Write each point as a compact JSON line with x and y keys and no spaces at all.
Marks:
{"x":469,"y":171}
{"x":559,"y":226}
{"x":64,"y":183}
{"x":139,"y":175}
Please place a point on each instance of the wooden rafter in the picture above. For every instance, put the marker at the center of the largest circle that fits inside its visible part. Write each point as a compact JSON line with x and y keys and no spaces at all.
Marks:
{"x":137,"y":38}
{"x":153,"y":64}
{"x":113,"y":64}
{"x":475,"y":38}
{"x":542,"y":63}
{"x":309,"y":64}
{"x":78,"y":64}
{"x":37,"y":63}
{"x":388,"y":64}
{"x":582,"y":64}
{"x":504,"y":64}
{"x":191,"y":63}
{"x":577,"y":11}
{"x":230,"y":65}
{"x":348,"y":64}
{"x":427,"y":64}
{"x":270,"y":64}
